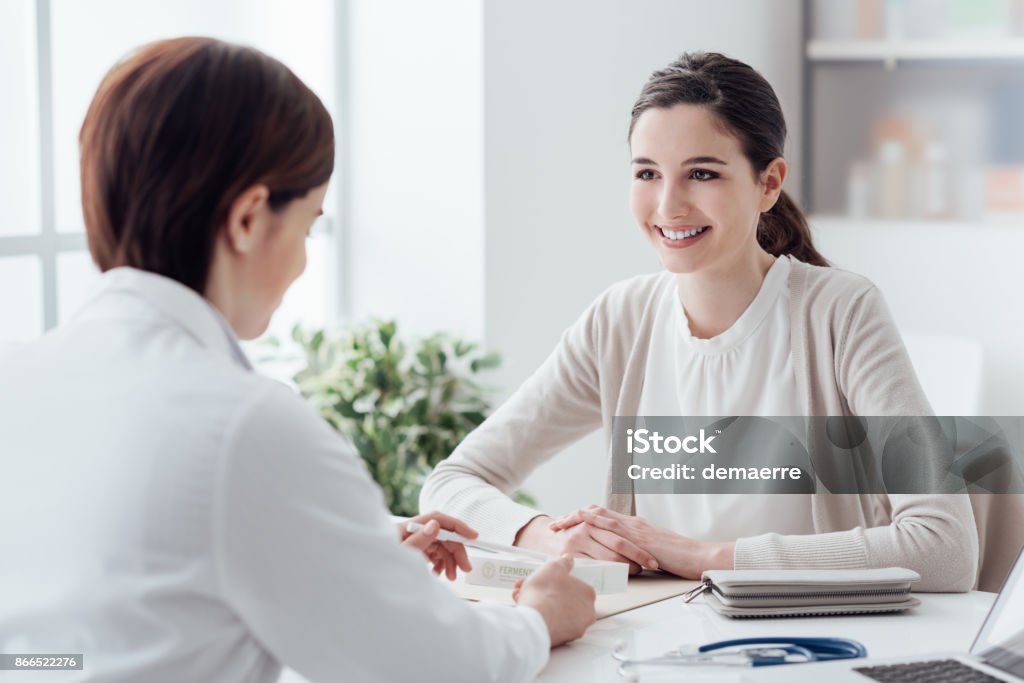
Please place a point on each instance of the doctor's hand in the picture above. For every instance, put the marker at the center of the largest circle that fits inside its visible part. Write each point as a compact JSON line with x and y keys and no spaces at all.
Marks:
{"x":584,"y":540}
{"x":565,"y":603}
{"x":445,"y":556}
{"x":675,"y":553}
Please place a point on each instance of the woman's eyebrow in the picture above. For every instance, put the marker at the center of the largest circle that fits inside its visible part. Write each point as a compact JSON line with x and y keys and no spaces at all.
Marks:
{"x":691,"y":160}
{"x":703,"y":160}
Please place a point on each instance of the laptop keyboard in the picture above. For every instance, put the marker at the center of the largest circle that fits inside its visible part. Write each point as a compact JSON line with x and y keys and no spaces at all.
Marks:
{"x":934,"y":671}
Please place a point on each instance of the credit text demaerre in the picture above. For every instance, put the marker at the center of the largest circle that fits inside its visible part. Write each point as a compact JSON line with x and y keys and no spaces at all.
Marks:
{"x":645,"y":441}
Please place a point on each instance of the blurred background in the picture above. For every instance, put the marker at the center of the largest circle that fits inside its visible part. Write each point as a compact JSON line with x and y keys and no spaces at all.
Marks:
{"x":482,"y":177}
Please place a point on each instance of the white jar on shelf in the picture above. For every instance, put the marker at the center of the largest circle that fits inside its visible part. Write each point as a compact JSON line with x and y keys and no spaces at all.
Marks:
{"x":935,"y":179}
{"x":893,"y":185}
{"x":860,"y":189}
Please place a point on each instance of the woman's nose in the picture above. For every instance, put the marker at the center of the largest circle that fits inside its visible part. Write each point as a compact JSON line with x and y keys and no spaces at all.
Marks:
{"x":673,"y":203}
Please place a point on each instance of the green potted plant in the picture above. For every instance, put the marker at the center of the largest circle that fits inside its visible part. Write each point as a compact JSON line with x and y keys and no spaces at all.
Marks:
{"x":405,"y":406}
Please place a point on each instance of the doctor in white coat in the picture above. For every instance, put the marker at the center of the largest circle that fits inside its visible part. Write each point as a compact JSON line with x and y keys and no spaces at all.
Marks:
{"x":170,"y":514}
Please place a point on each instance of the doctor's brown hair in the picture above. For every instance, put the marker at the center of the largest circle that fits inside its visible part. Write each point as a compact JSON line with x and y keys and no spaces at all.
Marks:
{"x":175,"y":132}
{"x":746,"y":106}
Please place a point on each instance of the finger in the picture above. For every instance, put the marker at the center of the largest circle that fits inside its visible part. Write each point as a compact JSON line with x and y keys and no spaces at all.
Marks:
{"x":441,"y":553}
{"x":565,"y":561}
{"x":605,"y":512}
{"x":609,"y":523}
{"x":422,"y":539}
{"x":575,"y":517}
{"x":560,"y":565}
{"x":586,"y":545}
{"x":624,"y":547}
{"x":457,"y":525}
{"x":458,"y":551}
{"x":565,"y":521}
{"x":450,"y":566}
{"x":448,"y":522}
{"x":622,"y":525}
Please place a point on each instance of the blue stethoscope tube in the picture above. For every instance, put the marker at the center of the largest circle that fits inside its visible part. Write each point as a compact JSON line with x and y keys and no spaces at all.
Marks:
{"x":774,"y":652}
{"x":813,"y":649}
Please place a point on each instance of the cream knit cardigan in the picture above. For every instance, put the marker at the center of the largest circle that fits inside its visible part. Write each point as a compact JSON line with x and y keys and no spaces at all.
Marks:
{"x":849,"y":360}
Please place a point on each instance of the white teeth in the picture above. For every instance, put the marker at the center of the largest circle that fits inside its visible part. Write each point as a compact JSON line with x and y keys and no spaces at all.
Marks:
{"x":681,"y":234}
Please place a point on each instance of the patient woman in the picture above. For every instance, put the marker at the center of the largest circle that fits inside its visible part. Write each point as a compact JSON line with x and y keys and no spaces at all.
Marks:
{"x":171,"y":515}
{"x":745,"y":319}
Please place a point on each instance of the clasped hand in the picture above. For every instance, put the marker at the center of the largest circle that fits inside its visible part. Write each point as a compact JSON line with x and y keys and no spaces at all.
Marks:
{"x":603,"y":534}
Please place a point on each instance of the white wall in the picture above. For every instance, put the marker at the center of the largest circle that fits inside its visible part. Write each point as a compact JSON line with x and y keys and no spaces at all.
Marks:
{"x":948,"y":280}
{"x":416,"y":148}
{"x":560,"y":79}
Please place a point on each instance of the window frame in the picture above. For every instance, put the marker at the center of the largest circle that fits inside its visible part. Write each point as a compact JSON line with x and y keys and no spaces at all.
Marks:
{"x":48,"y":244}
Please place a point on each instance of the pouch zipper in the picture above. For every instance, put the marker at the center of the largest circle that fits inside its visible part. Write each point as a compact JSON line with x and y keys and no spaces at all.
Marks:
{"x":706,"y":586}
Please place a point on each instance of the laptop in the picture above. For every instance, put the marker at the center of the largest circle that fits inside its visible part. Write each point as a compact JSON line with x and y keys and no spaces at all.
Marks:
{"x":997,"y":654}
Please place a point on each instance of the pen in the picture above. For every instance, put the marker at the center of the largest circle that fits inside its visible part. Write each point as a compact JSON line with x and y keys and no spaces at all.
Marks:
{"x":443,"y":535}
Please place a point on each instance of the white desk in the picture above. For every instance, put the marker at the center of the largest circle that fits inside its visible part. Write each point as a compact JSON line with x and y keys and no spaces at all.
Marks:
{"x":942,"y":622}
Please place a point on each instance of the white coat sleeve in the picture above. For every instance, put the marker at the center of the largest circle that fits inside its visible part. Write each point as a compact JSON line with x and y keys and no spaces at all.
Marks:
{"x":309,"y":559}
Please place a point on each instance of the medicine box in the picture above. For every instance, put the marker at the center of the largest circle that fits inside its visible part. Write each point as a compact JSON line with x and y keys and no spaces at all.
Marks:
{"x":503,"y":570}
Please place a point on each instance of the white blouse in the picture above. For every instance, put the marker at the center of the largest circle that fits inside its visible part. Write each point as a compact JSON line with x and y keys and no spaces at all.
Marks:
{"x":746,"y":370}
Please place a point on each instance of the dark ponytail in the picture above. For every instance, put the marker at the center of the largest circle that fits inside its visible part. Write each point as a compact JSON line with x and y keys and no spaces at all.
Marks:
{"x":746,"y":105}
{"x":783,"y":229}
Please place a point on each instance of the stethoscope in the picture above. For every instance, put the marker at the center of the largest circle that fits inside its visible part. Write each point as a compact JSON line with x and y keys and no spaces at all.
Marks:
{"x":774,"y":651}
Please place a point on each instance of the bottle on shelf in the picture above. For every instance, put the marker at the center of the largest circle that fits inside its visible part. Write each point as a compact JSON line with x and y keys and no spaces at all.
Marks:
{"x":935,"y":182}
{"x":893,"y":185}
{"x":860,"y":190}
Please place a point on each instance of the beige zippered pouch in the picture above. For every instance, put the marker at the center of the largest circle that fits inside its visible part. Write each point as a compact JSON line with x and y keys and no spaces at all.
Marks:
{"x":806,"y":592}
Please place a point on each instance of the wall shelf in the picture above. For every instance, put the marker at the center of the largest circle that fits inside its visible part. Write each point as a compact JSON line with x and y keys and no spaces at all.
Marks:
{"x":839,"y":222}
{"x":888,"y":51}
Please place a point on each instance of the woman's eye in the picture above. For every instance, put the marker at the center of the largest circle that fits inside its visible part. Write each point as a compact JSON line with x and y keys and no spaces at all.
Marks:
{"x":646,"y":174}
{"x":701,"y":174}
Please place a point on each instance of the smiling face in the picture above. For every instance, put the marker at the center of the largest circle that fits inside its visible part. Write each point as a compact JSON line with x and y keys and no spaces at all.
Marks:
{"x":694,"y":193}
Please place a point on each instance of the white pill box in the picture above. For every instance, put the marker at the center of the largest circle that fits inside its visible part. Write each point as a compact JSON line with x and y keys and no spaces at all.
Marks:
{"x":502,"y":570}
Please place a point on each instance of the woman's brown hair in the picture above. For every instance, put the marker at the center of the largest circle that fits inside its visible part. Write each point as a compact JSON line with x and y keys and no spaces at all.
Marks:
{"x":175,"y":132}
{"x":744,"y":102}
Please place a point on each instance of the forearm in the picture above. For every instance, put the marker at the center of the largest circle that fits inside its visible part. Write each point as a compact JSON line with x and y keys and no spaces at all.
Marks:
{"x":553,"y":408}
{"x":924,"y":531}
{"x":689,"y":558}
{"x":720,"y":556}
{"x":463,"y":493}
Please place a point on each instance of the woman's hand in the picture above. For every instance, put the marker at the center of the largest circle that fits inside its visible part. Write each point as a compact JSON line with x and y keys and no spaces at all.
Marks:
{"x":674,"y":553}
{"x":445,"y":556}
{"x":584,"y":540}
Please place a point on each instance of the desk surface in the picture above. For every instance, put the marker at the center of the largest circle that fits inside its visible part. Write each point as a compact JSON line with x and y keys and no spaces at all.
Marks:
{"x":942,"y":622}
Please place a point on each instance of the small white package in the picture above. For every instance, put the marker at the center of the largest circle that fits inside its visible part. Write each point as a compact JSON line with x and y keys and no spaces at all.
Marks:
{"x":504,"y":569}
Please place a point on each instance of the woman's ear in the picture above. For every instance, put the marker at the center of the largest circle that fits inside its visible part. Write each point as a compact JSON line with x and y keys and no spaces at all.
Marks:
{"x":772,"y":178}
{"x":244,"y":217}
